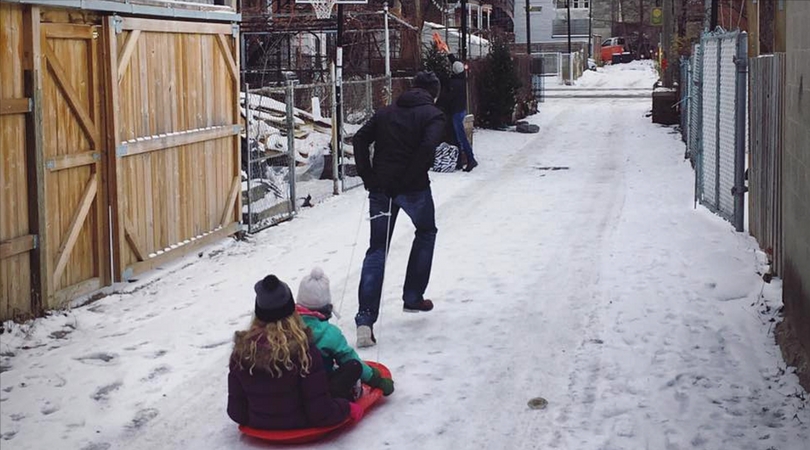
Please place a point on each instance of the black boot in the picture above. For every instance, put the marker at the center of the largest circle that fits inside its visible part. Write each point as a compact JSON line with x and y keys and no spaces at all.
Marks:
{"x":471,"y":165}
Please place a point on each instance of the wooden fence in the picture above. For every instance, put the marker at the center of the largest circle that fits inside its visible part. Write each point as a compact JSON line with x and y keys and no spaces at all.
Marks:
{"x":177,"y":175}
{"x":16,"y":237}
{"x":766,"y":78}
{"x":120,"y":148}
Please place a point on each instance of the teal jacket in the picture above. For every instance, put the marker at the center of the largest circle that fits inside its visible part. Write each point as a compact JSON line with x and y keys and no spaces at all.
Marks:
{"x":331,"y":342}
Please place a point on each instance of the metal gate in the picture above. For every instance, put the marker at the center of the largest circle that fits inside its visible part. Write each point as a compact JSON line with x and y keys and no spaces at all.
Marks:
{"x":291,"y":156}
{"x":721,"y":157}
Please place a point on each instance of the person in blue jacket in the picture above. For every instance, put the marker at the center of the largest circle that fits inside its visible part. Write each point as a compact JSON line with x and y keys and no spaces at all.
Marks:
{"x":344,"y":367}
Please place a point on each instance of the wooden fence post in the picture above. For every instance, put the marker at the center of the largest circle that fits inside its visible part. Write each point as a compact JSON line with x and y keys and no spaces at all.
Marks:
{"x":41,"y":283}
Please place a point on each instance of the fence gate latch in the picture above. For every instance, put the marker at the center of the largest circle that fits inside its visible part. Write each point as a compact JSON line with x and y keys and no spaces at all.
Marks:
{"x":739,"y":190}
{"x":118,"y":24}
{"x":235,"y":30}
{"x":741,"y":63}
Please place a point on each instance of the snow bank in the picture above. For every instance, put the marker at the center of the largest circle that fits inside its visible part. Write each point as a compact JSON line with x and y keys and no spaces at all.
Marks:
{"x":636,"y":74}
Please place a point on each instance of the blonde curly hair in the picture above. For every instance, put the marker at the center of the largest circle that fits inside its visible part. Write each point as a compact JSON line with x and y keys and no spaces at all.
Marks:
{"x":274,"y":347}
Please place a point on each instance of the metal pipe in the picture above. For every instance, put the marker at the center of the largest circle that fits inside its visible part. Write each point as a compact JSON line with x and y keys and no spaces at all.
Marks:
{"x":590,"y":29}
{"x":528,"y":29}
{"x":463,"y":30}
{"x":249,"y":161}
{"x":335,"y":167}
{"x":290,"y":100}
{"x":568,"y":6}
{"x":339,"y":88}
{"x":369,"y":95}
{"x":741,"y":61}
{"x":387,"y":44}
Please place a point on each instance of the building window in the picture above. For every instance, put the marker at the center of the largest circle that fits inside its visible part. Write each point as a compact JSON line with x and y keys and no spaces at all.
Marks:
{"x":575,"y":4}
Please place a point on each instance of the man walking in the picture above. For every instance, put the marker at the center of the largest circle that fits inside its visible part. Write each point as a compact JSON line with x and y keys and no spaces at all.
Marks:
{"x":405,"y":136}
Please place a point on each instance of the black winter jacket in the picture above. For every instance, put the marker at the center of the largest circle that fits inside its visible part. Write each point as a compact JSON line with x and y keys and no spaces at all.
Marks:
{"x":457,"y":93}
{"x":262,"y":401}
{"x":405,"y":136}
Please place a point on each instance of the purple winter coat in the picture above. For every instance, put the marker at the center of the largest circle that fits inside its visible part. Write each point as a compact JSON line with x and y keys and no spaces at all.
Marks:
{"x":288,"y":402}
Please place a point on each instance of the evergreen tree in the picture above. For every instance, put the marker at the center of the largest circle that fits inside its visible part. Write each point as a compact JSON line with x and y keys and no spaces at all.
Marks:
{"x":497,"y":86}
{"x":436,"y":61}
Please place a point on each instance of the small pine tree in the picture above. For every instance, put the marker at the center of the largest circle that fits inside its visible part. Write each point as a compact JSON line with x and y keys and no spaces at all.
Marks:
{"x":498,"y":86}
{"x":436,"y":61}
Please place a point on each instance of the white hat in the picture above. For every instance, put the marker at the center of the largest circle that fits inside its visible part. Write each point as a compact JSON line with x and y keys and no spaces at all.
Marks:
{"x":458,"y":67}
{"x":313,"y":292}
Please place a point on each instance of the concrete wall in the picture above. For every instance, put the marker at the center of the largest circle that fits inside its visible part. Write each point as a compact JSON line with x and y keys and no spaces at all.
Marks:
{"x":796,"y":179}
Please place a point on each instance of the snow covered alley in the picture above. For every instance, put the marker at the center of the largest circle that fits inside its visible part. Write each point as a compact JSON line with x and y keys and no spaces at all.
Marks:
{"x":570,"y":265}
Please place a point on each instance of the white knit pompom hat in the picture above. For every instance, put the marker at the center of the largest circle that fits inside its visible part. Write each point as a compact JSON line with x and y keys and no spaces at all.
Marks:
{"x":313,"y":292}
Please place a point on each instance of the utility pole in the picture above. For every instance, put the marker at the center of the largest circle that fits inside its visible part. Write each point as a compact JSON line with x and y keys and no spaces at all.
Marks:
{"x":464,"y":30}
{"x":714,"y":13}
{"x":590,"y":29}
{"x":528,"y":29}
{"x":568,"y":6}
{"x":666,"y":40}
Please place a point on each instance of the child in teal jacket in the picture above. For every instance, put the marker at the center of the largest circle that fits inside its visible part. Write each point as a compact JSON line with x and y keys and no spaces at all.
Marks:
{"x":315,"y":307}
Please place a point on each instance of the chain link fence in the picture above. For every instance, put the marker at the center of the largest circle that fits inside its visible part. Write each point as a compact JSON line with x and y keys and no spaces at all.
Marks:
{"x":286,"y":151}
{"x":694,"y":105}
{"x":361,"y":97}
{"x":288,"y":160}
{"x":717,"y":123}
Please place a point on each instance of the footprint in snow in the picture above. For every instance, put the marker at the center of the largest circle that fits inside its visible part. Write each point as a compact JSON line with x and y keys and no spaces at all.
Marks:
{"x":146,"y":317}
{"x":142,"y":418}
{"x":156,"y":372}
{"x":135,"y":347}
{"x":103,"y":393}
{"x":215,"y":344}
{"x":49,"y":409}
{"x":156,"y":354}
{"x":99,"y":359}
{"x":61,"y":334}
{"x":97,"y":446}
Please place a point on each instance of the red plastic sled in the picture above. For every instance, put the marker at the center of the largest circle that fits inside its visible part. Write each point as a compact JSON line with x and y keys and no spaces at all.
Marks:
{"x":303,"y":435}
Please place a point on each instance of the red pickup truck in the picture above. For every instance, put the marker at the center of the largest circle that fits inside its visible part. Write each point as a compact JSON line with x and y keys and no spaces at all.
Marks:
{"x":612,"y":46}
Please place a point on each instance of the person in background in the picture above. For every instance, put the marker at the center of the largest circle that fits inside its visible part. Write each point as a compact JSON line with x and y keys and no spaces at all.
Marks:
{"x":456,"y":101}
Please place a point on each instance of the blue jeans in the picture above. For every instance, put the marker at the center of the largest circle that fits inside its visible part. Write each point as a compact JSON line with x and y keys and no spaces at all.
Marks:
{"x":461,"y":135}
{"x":419,"y":207}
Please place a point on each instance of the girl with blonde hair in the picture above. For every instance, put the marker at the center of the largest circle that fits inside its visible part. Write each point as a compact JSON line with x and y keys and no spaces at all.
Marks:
{"x":277,"y":378}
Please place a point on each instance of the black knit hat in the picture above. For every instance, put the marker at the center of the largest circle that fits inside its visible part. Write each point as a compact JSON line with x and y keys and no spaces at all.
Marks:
{"x":274,"y":300}
{"x":427,"y":81}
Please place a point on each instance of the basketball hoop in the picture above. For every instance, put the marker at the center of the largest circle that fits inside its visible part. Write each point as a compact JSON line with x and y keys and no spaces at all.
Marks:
{"x":323,"y":8}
